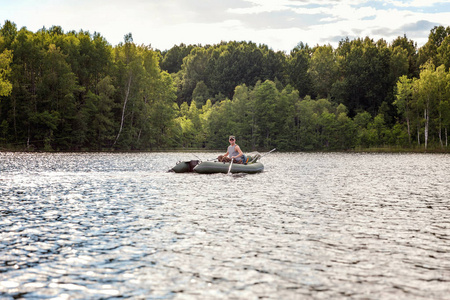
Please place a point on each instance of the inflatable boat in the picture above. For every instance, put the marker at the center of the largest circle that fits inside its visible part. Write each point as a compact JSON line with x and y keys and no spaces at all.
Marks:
{"x":210,"y":167}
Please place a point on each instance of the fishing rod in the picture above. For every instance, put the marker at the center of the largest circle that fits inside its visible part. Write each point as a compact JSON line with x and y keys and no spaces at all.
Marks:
{"x":258,"y":156}
{"x":268,"y":152}
{"x":202,"y":159}
{"x":196,"y":156}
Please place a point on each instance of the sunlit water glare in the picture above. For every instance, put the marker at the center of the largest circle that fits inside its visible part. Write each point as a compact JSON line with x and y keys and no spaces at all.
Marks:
{"x":311,"y":226}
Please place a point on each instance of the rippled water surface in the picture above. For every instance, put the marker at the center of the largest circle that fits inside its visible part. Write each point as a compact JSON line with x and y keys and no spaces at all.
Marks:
{"x":90,"y":226}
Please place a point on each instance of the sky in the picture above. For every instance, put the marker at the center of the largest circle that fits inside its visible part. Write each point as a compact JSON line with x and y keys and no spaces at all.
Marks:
{"x":279,"y":24}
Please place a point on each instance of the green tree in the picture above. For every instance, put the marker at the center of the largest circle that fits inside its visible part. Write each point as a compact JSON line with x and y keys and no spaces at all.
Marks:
{"x":411,"y":48}
{"x":265,"y":97}
{"x":219,"y":124}
{"x":145,"y":96}
{"x":197,"y":126}
{"x":8,"y":33}
{"x":443,"y":53}
{"x":201,"y":93}
{"x":57,"y":92}
{"x":442,"y":100}
{"x":307,"y":133}
{"x":287,"y":120}
{"x":399,"y":62}
{"x":26,"y":75}
{"x":95,"y":57}
{"x":130,"y":72}
{"x":323,"y":70}
{"x":273,"y":66}
{"x":364,"y":75}
{"x":346,"y":129}
{"x":404,"y":100}
{"x":426,"y":96}
{"x":378,"y":131}
{"x":429,"y":51}
{"x":162,"y":113}
{"x":98,"y":116}
{"x":297,"y":69}
{"x":233,"y":63}
{"x":243,"y":116}
{"x":173,"y":58}
{"x":193,"y":71}
{"x":5,"y":69}
{"x":361,"y":122}
{"x":327,"y":129}
{"x":184,"y":131}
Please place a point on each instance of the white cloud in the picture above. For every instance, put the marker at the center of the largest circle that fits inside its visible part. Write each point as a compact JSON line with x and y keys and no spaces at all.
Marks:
{"x":280,"y":24}
{"x":260,"y":6}
{"x":416,"y":3}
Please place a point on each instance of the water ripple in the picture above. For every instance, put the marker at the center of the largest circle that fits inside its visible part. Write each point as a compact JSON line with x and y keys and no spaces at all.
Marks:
{"x":90,"y":226}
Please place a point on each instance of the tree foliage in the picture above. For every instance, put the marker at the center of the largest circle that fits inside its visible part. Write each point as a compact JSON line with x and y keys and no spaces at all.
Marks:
{"x":74,"y":91}
{"x":5,"y":61}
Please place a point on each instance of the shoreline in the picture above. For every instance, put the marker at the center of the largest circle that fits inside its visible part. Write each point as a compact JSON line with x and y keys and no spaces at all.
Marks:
{"x":431,"y":150}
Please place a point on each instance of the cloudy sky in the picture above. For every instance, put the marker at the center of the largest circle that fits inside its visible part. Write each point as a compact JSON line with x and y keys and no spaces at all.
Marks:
{"x":280,"y":24}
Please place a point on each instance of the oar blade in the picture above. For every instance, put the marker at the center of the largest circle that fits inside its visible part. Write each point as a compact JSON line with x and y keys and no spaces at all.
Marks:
{"x":229,"y":169}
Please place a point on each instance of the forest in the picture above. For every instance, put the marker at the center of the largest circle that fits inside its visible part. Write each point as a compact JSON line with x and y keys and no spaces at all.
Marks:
{"x":73,"y":91}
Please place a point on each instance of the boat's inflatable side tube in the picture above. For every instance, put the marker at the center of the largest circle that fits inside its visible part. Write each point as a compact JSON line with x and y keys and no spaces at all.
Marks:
{"x":209,"y":167}
{"x":185,"y":166}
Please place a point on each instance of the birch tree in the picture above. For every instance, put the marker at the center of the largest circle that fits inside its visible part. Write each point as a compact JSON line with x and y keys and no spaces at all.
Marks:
{"x":124,"y":56}
{"x":403,"y":101}
{"x":442,"y":94}
{"x":426,"y":95}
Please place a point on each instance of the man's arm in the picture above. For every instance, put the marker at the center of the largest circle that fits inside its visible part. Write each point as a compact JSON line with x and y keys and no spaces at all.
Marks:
{"x":238,"y":149}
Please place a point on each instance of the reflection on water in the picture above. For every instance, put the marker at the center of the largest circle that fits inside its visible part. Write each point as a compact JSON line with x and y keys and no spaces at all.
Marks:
{"x":310,"y":226}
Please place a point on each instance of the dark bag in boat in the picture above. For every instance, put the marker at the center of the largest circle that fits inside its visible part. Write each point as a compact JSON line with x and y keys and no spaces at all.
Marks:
{"x":192,"y":165}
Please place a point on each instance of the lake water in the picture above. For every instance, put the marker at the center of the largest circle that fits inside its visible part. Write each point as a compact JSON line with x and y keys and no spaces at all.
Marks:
{"x":311,"y":226}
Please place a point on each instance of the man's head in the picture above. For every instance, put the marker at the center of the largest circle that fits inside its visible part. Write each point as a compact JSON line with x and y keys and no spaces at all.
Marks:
{"x":232,"y":139}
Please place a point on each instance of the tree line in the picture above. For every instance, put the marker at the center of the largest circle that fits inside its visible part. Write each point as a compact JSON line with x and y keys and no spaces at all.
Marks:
{"x":73,"y":91}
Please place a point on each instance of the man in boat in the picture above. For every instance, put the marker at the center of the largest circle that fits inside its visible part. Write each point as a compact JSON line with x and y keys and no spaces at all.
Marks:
{"x":233,"y":152}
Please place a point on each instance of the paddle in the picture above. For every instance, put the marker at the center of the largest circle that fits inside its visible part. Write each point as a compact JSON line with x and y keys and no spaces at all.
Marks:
{"x":229,"y":169}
